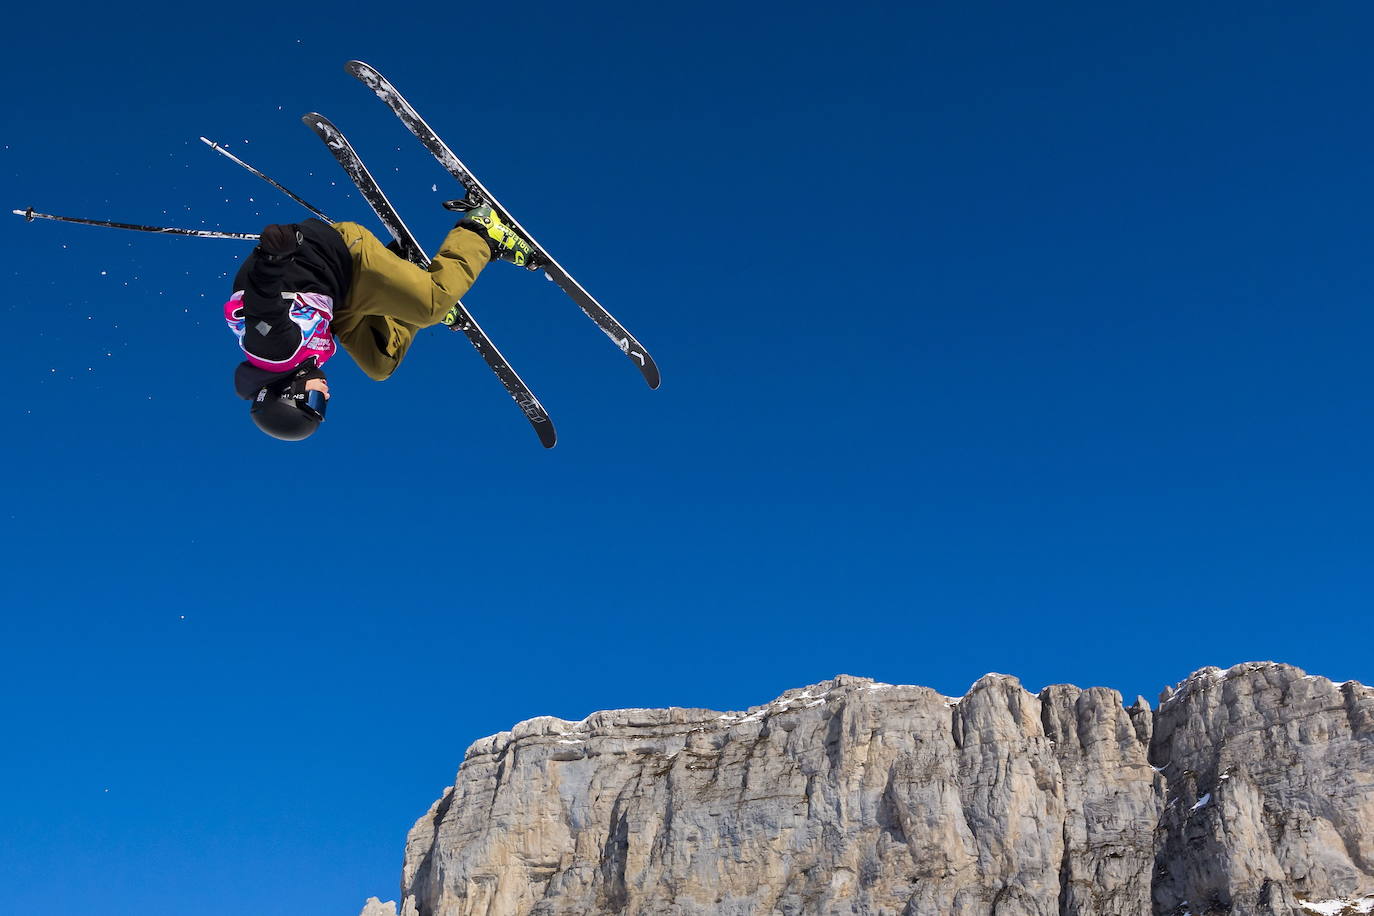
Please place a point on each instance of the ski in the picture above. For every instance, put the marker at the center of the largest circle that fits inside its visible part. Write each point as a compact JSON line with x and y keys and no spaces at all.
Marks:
{"x":367,"y":185}
{"x":480,"y":196}
{"x":30,"y":215}
{"x":459,"y":318}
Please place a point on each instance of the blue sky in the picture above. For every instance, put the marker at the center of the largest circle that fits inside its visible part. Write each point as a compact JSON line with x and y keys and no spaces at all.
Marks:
{"x":994,"y":338}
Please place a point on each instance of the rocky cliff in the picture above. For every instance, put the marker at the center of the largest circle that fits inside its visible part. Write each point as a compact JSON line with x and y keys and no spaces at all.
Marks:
{"x":1248,"y":791}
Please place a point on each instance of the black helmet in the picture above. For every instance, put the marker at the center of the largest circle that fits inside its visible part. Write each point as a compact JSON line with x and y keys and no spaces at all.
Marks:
{"x":290,"y":414}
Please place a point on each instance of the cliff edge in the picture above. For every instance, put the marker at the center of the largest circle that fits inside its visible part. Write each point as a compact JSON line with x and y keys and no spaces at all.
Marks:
{"x":1248,"y":792}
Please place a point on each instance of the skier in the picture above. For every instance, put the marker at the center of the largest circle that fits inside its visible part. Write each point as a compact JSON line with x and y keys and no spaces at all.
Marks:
{"x":284,"y":313}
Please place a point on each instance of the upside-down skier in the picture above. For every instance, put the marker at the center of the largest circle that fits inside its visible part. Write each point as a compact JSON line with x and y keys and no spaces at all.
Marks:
{"x":311,"y":284}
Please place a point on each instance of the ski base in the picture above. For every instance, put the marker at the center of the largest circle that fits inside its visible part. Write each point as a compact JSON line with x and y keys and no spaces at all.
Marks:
{"x":458,"y":318}
{"x":382,"y":88}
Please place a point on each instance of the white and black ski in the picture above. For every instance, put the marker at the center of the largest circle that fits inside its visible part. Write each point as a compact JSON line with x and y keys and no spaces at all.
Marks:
{"x":479,"y":195}
{"x":462,"y":319}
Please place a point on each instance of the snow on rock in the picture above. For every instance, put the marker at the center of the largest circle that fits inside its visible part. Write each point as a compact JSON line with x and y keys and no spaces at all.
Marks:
{"x":1350,"y":907}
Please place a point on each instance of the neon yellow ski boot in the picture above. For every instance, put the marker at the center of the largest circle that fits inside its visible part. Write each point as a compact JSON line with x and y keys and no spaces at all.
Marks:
{"x":505,"y":244}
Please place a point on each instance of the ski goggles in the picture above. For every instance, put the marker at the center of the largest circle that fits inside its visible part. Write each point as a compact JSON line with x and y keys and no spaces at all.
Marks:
{"x":314,"y":404}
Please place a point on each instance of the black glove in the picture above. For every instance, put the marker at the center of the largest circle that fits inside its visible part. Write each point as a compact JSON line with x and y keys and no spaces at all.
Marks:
{"x":280,"y":242}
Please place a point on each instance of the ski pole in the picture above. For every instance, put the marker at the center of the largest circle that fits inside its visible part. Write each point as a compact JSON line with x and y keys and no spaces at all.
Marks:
{"x":30,"y":215}
{"x":297,"y":198}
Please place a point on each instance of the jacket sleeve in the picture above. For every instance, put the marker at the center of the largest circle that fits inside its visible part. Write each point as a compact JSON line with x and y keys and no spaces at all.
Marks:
{"x":269,"y":332}
{"x":250,"y":379}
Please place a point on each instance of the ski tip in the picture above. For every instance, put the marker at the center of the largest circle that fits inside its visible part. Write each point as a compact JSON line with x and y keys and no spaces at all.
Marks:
{"x":210,"y":143}
{"x":362,"y":70}
{"x":318,"y":123}
{"x":27,"y":214}
{"x":369,"y":76}
{"x":647,"y":367}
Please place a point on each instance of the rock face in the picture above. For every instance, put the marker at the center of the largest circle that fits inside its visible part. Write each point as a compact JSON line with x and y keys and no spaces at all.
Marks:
{"x":375,"y":907}
{"x":1250,"y":791}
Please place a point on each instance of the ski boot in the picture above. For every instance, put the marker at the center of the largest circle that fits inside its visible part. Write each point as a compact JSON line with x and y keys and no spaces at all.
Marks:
{"x":505,"y":244}
{"x":454,"y":318}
